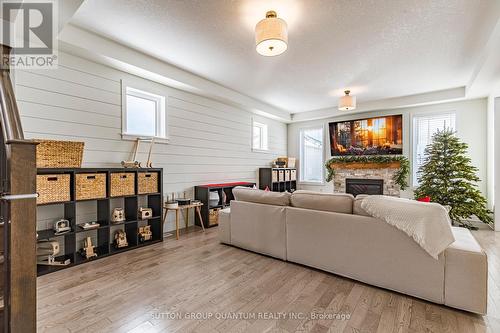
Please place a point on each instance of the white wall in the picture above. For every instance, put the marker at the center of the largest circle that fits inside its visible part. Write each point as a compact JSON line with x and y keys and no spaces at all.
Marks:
{"x":471,"y":122}
{"x":209,"y":141}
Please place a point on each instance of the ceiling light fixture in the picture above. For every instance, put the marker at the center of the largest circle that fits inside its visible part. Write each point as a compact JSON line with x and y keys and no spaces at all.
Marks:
{"x":271,"y":35}
{"x":347,"y":102}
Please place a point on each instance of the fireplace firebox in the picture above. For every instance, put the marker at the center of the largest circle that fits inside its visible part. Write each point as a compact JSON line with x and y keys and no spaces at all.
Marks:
{"x":364,"y":186}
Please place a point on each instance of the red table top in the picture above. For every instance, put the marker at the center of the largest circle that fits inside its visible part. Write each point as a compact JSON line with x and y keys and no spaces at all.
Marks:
{"x":228,"y":184}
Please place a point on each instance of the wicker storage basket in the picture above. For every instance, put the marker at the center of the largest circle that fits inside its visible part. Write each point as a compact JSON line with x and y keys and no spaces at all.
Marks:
{"x":147,"y":182}
{"x":90,"y":186}
{"x":213,"y":216}
{"x":53,"y":188}
{"x":122,"y":183}
{"x":58,"y":154}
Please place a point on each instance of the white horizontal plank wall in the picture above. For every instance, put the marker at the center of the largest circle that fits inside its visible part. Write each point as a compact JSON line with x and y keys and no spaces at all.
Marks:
{"x":210,"y":142}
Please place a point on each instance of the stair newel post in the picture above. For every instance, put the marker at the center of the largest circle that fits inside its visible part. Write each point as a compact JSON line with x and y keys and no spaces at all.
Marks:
{"x":18,"y":211}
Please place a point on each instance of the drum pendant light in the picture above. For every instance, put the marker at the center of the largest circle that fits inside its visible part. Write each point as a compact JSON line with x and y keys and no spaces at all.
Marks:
{"x":347,"y":102}
{"x":271,"y":35}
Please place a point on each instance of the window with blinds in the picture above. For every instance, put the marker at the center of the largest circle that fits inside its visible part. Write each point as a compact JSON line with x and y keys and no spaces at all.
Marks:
{"x":424,"y":126}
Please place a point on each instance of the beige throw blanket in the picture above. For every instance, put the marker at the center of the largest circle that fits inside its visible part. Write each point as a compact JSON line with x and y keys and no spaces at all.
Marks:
{"x":427,"y":223}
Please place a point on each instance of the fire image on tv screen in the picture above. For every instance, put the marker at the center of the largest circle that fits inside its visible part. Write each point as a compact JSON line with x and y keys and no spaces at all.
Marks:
{"x":371,"y":136}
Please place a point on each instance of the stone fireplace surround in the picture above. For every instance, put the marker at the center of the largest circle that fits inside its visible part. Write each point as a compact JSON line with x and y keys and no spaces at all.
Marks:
{"x":386,"y":174}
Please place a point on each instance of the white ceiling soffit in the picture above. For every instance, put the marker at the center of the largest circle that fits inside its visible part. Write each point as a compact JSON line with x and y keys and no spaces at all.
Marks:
{"x":66,"y":10}
{"x":432,"y":97}
{"x":13,"y":15}
{"x":9,"y":20}
{"x":486,"y":75}
{"x":84,"y":43}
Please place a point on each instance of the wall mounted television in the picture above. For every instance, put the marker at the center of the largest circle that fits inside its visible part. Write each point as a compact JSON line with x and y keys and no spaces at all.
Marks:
{"x":369,"y":136}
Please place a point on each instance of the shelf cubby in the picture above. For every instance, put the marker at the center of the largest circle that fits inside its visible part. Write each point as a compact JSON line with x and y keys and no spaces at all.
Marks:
{"x":100,"y":210}
{"x":278,"y":179}
{"x":202,"y":193}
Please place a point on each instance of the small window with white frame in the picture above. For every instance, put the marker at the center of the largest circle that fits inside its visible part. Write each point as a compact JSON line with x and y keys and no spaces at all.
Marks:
{"x":259,"y":136}
{"x":424,"y":127}
{"x":311,"y":155}
{"x":144,"y":114}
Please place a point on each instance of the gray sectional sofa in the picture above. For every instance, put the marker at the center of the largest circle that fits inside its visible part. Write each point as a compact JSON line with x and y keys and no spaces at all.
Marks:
{"x":332,"y":233}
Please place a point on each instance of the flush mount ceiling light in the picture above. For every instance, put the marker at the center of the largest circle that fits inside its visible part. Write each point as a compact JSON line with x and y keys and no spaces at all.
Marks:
{"x":347,"y":102}
{"x":271,"y":35}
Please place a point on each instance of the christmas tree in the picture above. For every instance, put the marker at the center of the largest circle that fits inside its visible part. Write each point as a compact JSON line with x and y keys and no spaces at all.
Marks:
{"x":448,"y":177}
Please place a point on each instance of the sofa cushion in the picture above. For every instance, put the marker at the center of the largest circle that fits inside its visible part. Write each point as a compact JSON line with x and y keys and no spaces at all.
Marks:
{"x":263,"y":197}
{"x":259,"y":227}
{"x":356,"y":206}
{"x":330,"y":202}
{"x":363,"y":248}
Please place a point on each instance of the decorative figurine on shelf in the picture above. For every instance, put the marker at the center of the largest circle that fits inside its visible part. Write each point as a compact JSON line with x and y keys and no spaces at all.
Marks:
{"x":89,"y":225}
{"x":183,"y":201}
{"x":136,"y":164}
{"x":46,"y":252}
{"x":149,"y":163}
{"x":120,"y":239}
{"x":61,"y":227}
{"x":118,"y":215}
{"x":133,"y":163}
{"x":88,"y":250}
{"x":171,"y":203}
{"x":145,"y":213}
{"x":213,"y":198}
{"x":145,"y":233}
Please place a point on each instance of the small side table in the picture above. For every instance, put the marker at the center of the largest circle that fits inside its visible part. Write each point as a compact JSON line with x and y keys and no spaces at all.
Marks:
{"x":184,"y":208}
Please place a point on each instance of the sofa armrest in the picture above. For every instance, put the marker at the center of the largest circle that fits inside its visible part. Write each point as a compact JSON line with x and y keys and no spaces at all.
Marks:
{"x":225,"y":226}
{"x":466,"y":273}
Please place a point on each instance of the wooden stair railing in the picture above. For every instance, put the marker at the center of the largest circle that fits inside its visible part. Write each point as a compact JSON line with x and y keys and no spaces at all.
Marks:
{"x":17,"y":215}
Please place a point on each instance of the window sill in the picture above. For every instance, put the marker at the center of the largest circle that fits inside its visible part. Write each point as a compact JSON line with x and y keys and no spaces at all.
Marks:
{"x":255,"y":150}
{"x":134,"y":137}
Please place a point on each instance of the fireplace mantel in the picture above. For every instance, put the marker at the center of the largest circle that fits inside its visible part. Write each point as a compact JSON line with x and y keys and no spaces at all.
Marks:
{"x":365,"y":165}
{"x":393,"y":169}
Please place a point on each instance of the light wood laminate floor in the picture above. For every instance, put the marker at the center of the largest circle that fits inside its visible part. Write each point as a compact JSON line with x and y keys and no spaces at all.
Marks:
{"x":154,"y":289}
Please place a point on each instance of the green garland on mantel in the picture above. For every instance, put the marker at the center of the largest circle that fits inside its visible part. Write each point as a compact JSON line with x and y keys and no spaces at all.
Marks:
{"x":400,"y":177}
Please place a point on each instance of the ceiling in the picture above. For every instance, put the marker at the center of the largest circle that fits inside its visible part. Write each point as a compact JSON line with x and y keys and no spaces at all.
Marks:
{"x":378,"y":49}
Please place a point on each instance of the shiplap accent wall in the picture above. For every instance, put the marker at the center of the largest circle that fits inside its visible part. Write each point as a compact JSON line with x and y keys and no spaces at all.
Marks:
{"x":210,"y":141}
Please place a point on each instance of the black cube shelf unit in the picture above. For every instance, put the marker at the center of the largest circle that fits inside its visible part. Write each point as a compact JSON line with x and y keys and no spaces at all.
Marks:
{"x":225,"y":192}
{"x":278,"y":179}
{"x":104,"y":206}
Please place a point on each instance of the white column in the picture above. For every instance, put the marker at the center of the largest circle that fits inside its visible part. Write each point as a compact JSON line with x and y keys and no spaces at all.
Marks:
{"x":496,"y":174}
{"x":490,"y":152}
